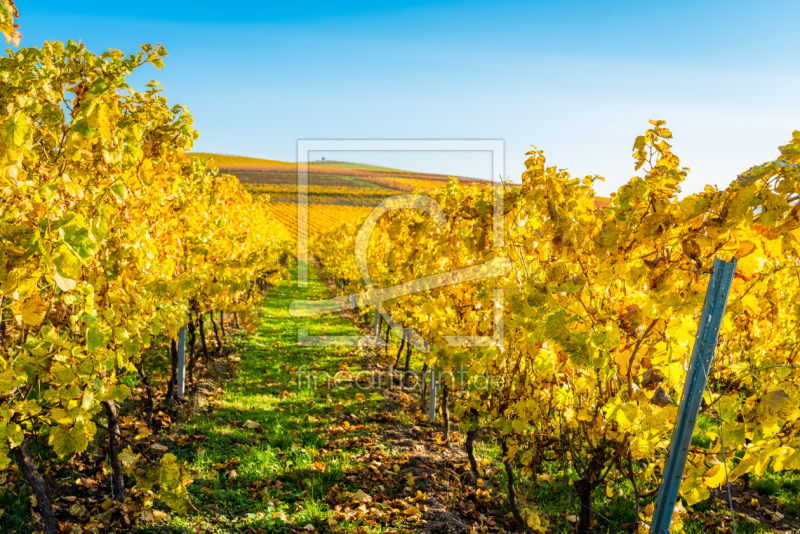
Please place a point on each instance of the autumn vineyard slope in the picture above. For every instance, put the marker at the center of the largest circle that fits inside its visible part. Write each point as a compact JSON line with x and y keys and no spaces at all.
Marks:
{"x":114,"y":236}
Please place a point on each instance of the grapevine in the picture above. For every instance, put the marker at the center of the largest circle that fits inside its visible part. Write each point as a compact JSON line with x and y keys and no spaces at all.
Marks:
{"x":601,"y":308}
{"x":112,"y":239}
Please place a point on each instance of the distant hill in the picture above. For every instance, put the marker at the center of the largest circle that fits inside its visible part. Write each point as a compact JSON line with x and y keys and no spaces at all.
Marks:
{"x":356,"y":166}
{"x":331,"y":173}
{"x":229,"y":160}
{"x":338,"y":174}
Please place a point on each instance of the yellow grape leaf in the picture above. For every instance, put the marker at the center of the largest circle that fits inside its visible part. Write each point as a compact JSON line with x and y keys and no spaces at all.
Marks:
{"x":774,"y":247}
{"x":763,"y":461}
{"x":750,"y":303}
{"x":751,"y":265}
{"x":774,"y":401}
{"x":745,"y":466}
{"x":780,"y":458}
{"x":128,"y":459}
{"x":34,"y":310}
{"x":16,"y":129}
{"x":681,"y":331}
{"x":66,"y":263}
{"x":692,"y":492}
{"x":64,"y":284}
{"x":624,"y":414}
{"x":534,"y":522}
{"x":74,"y":189}
{"x":715,"y":476}
{"x":96,"y":338}
{"x":642,"y":448}
{"x":586,"y":203}
{"x":119,"y":392}
{"x":67,"y":440}
{"x":745,"y":248}
{"x":173,"y":483}
{"x":16,"y":310}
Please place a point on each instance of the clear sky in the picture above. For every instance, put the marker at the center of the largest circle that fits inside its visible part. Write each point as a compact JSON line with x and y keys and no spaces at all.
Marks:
{"x":577,"y":79}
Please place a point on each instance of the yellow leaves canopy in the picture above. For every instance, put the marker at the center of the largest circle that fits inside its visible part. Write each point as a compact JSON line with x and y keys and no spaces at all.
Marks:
{"x":602,"y":298}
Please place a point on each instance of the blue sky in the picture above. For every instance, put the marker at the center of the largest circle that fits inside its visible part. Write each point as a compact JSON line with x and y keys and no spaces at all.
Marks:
{"x":577,"y":79}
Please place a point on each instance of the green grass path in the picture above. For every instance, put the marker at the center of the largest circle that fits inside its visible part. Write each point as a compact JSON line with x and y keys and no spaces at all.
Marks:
{"x":257,"y":454}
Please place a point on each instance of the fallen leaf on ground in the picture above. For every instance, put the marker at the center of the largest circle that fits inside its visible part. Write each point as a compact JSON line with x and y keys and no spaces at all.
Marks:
{"x":360,"y":496}
{"x":158,"y":515}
